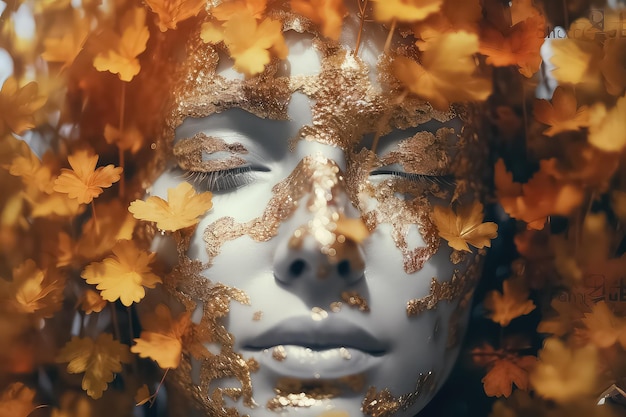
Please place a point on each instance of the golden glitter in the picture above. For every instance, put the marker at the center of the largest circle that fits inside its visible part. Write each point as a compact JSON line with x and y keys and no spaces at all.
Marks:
{"x":293,"y":392}
{"x":279,"y":353}
{"x":424,"y":153}
{"x":191,"y":154}
{"x":335,"y":306}
{"x":318,"y":314}
{"x":355,"y":300}
{"x":457,"y":256}
{"x":445,"y":291}
{"x":384,"y":404}
{"x":257,"y":316}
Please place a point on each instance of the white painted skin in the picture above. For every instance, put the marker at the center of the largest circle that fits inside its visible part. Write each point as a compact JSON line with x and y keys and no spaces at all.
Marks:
{"x":397,"y":348}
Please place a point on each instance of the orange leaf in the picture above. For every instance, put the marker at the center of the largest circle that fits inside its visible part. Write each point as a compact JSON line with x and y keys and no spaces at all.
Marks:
{"x":607,"y":129}
{"x":513,"y":302}
{"x":505,"y":372}
{"x":562,"y":114}
{"x":171,"y":12}
{"x":328,"y":14}
{"x":446,"y":74}
{"x":227,"y":9}
{"x":66,"y":48}
{"x":84,"y":182}
{"x":405,"y":10}
{"x":162,"y":339}
{"x":17,"y":401}
{"x":18,"y":105}
{"x":604,"y":328}
{"x":576,"y":61}
{"x":464,"y":227}
{"x":121,"y":57}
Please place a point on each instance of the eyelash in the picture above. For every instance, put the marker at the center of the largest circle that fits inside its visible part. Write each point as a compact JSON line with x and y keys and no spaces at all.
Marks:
{"x":443,"y":180}
{"x":216,"y":181}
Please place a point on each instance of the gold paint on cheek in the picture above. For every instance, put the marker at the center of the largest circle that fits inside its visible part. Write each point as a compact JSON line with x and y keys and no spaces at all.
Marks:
{"x":385,"y":404}
{"x":190,"y":154}
{"x":355,"y":300}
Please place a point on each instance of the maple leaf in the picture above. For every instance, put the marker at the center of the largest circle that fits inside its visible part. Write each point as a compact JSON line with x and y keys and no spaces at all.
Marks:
{"x":447,"y":71}
{"x":92,"y":302}
{"x":84,"y":182}
{"x":17,"y":401}
{"x":564,"y":374}
{"x":131,"y":139}
{"x":504,"y":373}
{"x":607,"y":130}
{"x":576,"y":61}
{"x":464,"y":227}
{"x":99,"y":359}
{"x":563,"y":322}
{"x":562,"y":114}
{"x":455,"y":15}
{"x":405,"y":10}
{"x":35,"y":174}
{"x":124,"y":275}
{"x":250,"y":42}
{"x":162,"y":339}
{"x":120,"y":55}
{"x":66,"y":48}
{"x":328,"y":14}
{"x":170,"y":12}
{"x":34,"y":291}
{"x":520,"y":46}
{"x":603,"y":327}
{"x":18,"y":105}
{"x":183,"y":208}
{"x":227,"y":9}
{"x":513,"y":302}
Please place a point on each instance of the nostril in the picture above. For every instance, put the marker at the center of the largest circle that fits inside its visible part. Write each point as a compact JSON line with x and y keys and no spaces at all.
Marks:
{"x":297,"y":267}
{"x":343,"y":268}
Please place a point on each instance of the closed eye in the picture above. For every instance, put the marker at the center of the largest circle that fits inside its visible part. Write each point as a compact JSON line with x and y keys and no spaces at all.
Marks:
{"x":443,"y":180}
{"x":220,"y":181}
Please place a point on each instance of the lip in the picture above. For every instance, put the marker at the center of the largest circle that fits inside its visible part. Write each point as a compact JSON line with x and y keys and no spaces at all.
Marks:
{"x":331,"y":348}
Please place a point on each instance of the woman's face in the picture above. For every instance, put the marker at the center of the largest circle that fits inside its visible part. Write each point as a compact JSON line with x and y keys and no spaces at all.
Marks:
{"x":321,"y":317}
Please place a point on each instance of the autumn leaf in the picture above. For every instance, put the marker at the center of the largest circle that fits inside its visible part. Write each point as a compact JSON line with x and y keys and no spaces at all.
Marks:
{"x":513,"y":302}
{"x":405,"y":10}
{"x":18,"y":106}
{"x":66,"y":48}
{"x":351,"y":228}
{"x":99,"y":359}
{"x":131,"y":139}
{"x":162,"y":337}
{"x":446,"y":74}
{"x":519,"y":46}
{"x":183,"y":208}
{"x":564,"y":374}
{"x":170,"y":12}
{"x":92,"y":302}
{"x":119,"y":56}
{"x":563,"y":322}
{"x":576,"y":61}
{"x":143,"y":395}
{"x":464,"y":227}
{"x":124,"y":275}
{"x":562,"y":114}
{"x":328,"y":14}
{"x":505,"y":372}
{"x":607,"y":130}
{"x":227,"y":9}
{"x":604,"y":328}
{"x":17,"y":401}
{"x":455,"y":15}
{"x":84,"y":182}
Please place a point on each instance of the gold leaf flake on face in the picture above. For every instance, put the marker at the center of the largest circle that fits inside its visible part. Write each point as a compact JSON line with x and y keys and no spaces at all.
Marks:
{"x":204,"y":153}
{"x":384,"y":404}
{"x":423,"y":153}
{"x":355,"y":300}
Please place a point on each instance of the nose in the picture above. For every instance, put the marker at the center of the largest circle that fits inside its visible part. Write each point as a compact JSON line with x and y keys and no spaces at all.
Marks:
{"x":317,"y":245}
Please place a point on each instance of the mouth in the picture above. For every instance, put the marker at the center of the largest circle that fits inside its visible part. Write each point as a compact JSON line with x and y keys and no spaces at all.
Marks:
{"x":303,"y":348}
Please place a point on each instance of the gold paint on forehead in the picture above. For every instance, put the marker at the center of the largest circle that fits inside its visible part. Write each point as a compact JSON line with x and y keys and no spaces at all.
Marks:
{"x":355,"y":300}
{"x":423,"y":153}
{"x":190,"y":153}
{"x":299,"y":393}
{"x":385,"y":404}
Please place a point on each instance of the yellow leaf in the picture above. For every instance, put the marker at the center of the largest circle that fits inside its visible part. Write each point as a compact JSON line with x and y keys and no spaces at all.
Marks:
{"x":183,"y":208}
{"x":162,"y":338}
{"x":121,"y":58}
{"x":18,"y":106}
{"x":171,"y":12}
{"x":92,"y":302}
{"x":351,"y":228}
{"x":124,"y":275}
{"x":607,"y":129}
{"x":17,"y":401}
{"x":576,"y":61}
{"x":505,"y":372}
{"x":604,"y":328}
{"x":66,"y":48}
{"x":129,"y":140}
{"x":227,"y":9}
{"x":99,"y":359}
{"x":562,"y":114}
{"x":328,"y":14}
{"x":563,"y":322}
{"x":564,"y":374}
{"x":464,"y":227}
{"x":513,"y":302}
{"x":447,"y":71}
{"x":405,"y":10}
{"x":212,"y":32}
{"x":84,"y":182}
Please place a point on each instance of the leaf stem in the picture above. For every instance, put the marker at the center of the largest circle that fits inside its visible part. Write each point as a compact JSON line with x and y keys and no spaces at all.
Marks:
{"x":154,"y":396}
{"x":116,"y":325}
{"x":362,"y":7}
{"x":95,"y":218}
{"x":390,"y":35}
{"x":121,"y":130}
